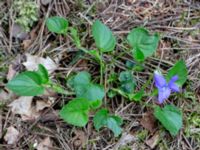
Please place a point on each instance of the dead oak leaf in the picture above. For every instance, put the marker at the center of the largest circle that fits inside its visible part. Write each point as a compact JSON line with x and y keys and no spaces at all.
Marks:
{"x":32,"y":63}
{"x":45,"y":144}
{"x":11,"y":135}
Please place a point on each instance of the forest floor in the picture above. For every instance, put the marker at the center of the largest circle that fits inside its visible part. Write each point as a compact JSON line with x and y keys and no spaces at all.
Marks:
{"x":177,"y":22}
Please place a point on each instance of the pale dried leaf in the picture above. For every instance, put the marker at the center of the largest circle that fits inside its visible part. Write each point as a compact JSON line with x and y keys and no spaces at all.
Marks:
{"x":23,"y":106}
{"x":41,"y":104}
{"x":125,"y":139}
{"x":45,"y":144}
{"x":18,"y":32}
{"x":11,"y":72}
{"x":79,"y":139}
{"x":26,"y":43}
{"x":153,"y":141}
{"x":33,"y":62}
{"x":11,"y":135}
{"x":4,"y":96}
{"x":46,"y":2}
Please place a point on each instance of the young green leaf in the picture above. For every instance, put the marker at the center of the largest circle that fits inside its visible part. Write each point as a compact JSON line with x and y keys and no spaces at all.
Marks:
{"x":84,"y":88}
{"x":170,"y":117}
{"x":95,"y":104}
{"x":43,"y":73}
{"x":75,"y":112}
{"x":179,"y":69}
{"x":93,"y":92}
{"x":82,"y":78}
{"x":136,"y":96}
{"x":103,"y":119}
{"x":57,"y":25}
{"x":127,"y":81}
{"x":28,"y":83}
{"x":143,"y":44}
{"x":74,"y":34}
{"x":103,"y":37}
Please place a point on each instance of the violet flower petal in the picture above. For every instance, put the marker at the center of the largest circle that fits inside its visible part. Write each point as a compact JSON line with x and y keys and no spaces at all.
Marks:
{"x":172,"y":85}
{"x":163,"y":94}
{"x":159,"y":80}
{"x":173,"y":79}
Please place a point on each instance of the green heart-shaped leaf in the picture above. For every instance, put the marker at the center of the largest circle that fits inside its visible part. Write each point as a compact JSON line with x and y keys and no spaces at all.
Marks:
{"x":28,"y":83}
{"x":180,"y":70}
{"x":76,"y":112}
{"x":103,"y":37}
{"x":57,"y":25}
{"x":143,"y":44}
{"x":170,"y":117}
{"x":103,"y":119}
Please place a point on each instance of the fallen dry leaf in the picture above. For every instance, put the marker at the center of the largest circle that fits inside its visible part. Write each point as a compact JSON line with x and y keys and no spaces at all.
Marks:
{"x":45,"y":144}
{"x":32,"y":63}
{"x":18,"y":32}
{"x":125,"y":139}
{"x":11,"y":72}
{"x":41,"y":104}
{"x":23,"y":106}
{"x":46,"y":2}
{"x":26,"y":43}
{"x":148,"y":121}
{"x":50,"y":116}
{"x":11,"y":135}
{"x":6,"y":96}
{"x":153,"y":141}
{"x":80,"y":138}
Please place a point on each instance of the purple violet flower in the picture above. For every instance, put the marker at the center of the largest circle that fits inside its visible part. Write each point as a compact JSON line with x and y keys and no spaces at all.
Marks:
{"x":164,"y":88}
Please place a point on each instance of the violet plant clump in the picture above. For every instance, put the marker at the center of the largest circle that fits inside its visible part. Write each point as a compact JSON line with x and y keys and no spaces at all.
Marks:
{"x":90,"y":96}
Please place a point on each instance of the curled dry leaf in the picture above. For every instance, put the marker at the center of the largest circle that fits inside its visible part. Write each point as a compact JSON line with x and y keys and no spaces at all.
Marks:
{"x":45,"y":144}
{"x":11,"y":135}
{"x":32,"y":63}
{"x":41,"y":104}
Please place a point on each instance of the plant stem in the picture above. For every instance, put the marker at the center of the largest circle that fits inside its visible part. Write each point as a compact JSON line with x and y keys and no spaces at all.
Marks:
{"x":57,"y":88}
{"x":101,"y":68}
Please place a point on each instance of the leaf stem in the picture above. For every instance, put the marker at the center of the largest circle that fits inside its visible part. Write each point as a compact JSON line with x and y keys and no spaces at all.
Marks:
{"x":57,"y":88}
{"x":101,"y":68}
